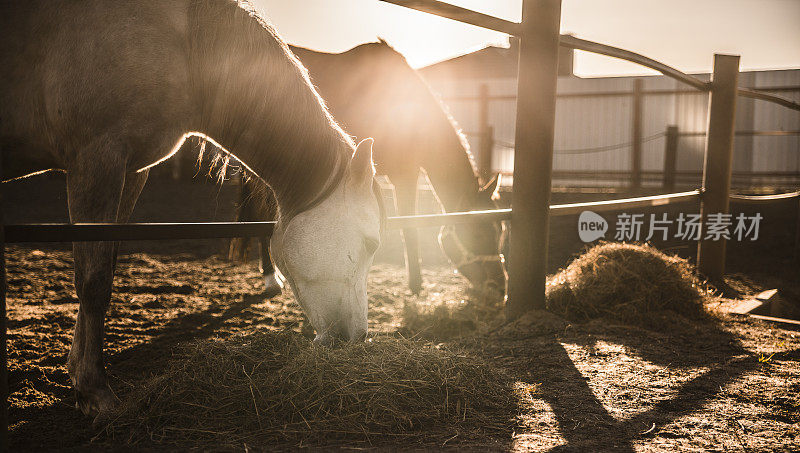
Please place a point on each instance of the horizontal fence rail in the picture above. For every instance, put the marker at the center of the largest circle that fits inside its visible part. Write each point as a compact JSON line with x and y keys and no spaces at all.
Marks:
{"x":459,"y":14}
{"x":745,"y":133}
{"x":451,"y":218}
{"x":622,"y":93}
{"x":87,"y":232}
{"x":616,"y":52}
{"x":625,"y":203}
{"x":748,"y":93}
{"x":764,"y":198}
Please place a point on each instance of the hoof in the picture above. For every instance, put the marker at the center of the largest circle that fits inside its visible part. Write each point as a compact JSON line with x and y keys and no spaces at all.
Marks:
{"x":415,"y":285}
{"x":273,"y":291}
{"x":96,"y":402}
{"x":272,"y":286}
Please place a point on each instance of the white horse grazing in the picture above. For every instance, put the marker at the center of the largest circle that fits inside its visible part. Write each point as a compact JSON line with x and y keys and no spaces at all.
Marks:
{"x":103,"y":90}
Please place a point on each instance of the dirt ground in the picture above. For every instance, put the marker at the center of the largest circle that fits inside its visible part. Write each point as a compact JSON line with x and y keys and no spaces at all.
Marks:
{"x":728,"y":383}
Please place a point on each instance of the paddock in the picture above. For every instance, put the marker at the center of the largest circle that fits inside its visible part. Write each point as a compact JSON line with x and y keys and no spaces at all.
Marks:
{"x":704,"y":389}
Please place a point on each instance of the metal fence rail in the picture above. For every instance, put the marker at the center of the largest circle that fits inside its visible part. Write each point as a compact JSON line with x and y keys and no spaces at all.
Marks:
{"x":83,"y":232}
{"x":88,"y":232}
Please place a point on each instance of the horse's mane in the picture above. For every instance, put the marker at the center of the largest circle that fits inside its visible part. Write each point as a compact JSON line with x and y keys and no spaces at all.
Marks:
{"x":253,"y":92}
{"x":388,"y":67}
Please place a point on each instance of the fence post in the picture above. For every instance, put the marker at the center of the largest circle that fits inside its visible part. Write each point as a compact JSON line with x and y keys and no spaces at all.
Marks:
{"x":718,"y":160}
{"x":670,"y":158}
{"x":636,"y":128}
{"x":533,"y":155}
{"x":797,"y":236}
{"x":4,"y":357}
{"x":486,"y":134}
{"x":487,"y":148}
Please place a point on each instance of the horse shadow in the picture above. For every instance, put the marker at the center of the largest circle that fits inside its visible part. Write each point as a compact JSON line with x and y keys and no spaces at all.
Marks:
{"x":188,"y":327}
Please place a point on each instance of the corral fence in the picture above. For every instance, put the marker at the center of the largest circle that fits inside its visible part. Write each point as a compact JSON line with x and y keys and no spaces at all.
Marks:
{"x":538,"y":59}
{"x":632,"y":160}
{"x":640,"y":152}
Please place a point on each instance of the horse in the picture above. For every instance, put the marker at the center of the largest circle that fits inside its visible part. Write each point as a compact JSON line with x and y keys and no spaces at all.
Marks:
{"x":106,"y":90}
{"x":373,"y":91}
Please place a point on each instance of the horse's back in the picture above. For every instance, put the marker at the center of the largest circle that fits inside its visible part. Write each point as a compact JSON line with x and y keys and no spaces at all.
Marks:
{"x":75,"y":71}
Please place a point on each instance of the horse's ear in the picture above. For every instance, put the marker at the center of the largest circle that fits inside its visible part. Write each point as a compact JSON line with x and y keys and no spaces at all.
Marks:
{"x":361,"y":168}
{"x":490,"y":189}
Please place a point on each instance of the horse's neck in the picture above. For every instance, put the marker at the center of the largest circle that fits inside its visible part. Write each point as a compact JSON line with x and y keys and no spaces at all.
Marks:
{"x":452,"y":176}
{"x":256,"y":100}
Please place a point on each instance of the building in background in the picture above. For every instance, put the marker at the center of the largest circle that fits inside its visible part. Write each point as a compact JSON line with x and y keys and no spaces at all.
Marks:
{"x":596,"y":117}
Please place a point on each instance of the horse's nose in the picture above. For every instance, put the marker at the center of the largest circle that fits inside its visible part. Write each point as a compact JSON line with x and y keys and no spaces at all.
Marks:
{"x":358,"y":335}
{"x":340,"y":334}
{"x":324,"y":339}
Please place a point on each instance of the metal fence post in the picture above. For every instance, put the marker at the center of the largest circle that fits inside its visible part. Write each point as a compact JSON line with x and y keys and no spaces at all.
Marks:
{"x":670,"y":158}
{"x":486,"y":134}
{"x":636,"y":131}
{"x":718,"y":160}
{"x":533,"y":155}
{"x":797,"y":236}
{"x":4,"y":388}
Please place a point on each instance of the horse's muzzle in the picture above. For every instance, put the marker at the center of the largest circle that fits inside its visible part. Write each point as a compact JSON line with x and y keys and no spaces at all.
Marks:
{"x":336,"y":336}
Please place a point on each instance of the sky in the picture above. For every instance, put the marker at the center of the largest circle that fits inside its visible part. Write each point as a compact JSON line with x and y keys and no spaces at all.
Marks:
{"x":681,"y":33}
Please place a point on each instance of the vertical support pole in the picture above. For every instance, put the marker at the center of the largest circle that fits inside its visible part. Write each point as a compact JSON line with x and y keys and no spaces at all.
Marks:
{"x":797,"y":236}
{"x":488,"y":153}
{"x":636,"y":132}
{"x":533,"y":155}
{"x":670,"y":158}
{"x":486,"y":135}
{"x":718,"y":160}
{"x":4,"y":357}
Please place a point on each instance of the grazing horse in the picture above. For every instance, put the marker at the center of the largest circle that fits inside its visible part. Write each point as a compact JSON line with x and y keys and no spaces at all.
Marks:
{"x":373,"y":92}
{"x":103,"y":90}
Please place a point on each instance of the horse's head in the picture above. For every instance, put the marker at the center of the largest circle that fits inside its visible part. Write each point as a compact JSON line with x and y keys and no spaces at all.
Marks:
{"x":326,"y":252}
{"x":473,"y":247}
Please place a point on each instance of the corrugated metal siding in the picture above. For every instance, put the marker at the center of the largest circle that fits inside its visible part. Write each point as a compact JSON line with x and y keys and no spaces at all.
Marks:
{"x":583,"y":123}
{"x":777,"y":153}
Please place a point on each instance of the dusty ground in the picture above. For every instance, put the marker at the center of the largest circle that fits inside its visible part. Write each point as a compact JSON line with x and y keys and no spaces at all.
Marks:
{"x":673,"y":383}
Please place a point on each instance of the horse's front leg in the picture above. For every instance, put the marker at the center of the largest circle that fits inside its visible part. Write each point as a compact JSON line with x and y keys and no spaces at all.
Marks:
{"x":405,"y":198}
{"x":257,"y":204}
{"x":273,"y":285}
{"x":95,"y":191}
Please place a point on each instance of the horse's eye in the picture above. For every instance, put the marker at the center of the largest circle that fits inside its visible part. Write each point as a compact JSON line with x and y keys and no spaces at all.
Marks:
{"x":371,"y":244}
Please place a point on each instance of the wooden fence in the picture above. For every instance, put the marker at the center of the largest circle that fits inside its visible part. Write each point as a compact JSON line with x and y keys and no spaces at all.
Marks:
{"x":539,"y":41}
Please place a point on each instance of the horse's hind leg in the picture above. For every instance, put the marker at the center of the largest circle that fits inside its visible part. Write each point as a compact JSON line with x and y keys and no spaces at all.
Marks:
{"x":134,"y":183}
{"x":237,"y":250}
{"x":95,"y":190}
{"x":405,"y":196}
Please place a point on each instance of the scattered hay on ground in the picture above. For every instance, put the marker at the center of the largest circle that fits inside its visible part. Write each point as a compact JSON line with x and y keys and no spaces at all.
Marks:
{"x":275,"y":388}
{"x":624,"y":282}
{"x":533,"y":323}
{"x":450,"y":318}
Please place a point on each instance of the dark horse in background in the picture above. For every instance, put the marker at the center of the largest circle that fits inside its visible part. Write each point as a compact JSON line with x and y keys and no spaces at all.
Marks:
{"x":105,"y":90}
{"x":373,"y":92}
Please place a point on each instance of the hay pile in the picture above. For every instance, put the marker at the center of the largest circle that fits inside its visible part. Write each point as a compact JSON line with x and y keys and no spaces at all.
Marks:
{"x":624,"y":282}
{"x":276,"y":389}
